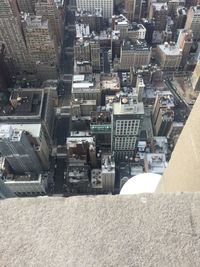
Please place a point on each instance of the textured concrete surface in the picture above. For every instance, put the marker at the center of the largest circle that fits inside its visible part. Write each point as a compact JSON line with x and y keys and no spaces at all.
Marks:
{"x":183,"y":170}
{"x":141,"y":230}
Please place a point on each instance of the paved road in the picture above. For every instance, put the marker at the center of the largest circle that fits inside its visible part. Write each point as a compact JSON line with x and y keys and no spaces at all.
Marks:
{"x":62,"y":125}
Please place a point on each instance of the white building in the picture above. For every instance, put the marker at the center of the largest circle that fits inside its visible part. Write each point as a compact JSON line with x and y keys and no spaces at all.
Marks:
{"x":91,"y":5}
{"x":126,"y":124}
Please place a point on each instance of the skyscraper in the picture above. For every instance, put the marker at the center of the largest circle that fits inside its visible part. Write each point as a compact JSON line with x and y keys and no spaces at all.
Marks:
{"x":193,"y":21}
{"x":11,"y":33}
{"x":15,"y":146}
{"x":195,"y":79}
{"x":184,"y":43}
{"x":48,"y":10}
{"x":133,"y":9}
{"x":126,"y":125}
{"x":40,"y":44}
{"x":27,"y":6}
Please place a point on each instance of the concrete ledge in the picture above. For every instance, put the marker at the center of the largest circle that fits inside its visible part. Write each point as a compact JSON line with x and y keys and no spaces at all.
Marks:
{"x":141,"y":230}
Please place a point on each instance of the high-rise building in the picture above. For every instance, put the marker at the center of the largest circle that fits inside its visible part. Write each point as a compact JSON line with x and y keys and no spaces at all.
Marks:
{"x":163,"y":114}
{"x":4,"y":71}
{"x":134,"y":53}
{"x":133,"y":9}
{"x":30,"y":105}
{"x":108,"y":173}
{"x":11,"y":33}
{"x":184,"y":43}
{"x":158,"y":12}
{"x":193,"y":21}
{"x":169,"y":56}
{"x":95,"y":55}
{"x":195,"y":79}
{"x":27,"y":6}
{"x":40,"y":43}
{"x":140,"y":87}
{"x":126,"y":124}
{"x":5,"y":192}
{"x":105,"y":5}
{"x":173,"y":5}
{"x":100,"y":127}
{"x":190,"y":3}
{"x":180,"y":18}
{"x":48,"y":9}
{"x":94,"y":20}
{"x":15,"y":146}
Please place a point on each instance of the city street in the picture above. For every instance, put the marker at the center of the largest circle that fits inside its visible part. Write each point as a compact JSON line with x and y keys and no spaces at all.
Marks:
{"x":62,"y":124}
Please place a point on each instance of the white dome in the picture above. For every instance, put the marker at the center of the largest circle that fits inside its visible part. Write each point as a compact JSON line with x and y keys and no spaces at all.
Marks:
{"x":141,"y":183}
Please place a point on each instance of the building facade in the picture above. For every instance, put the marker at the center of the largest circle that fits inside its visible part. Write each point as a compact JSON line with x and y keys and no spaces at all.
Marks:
{"x":11,"y":33}
{"x":105,"y":5}
{"x":169,"y":56}
{"x":16,"y":148}
{"x":193,"y":21}
{"x":134,"y":53}
{"x":126,"y":125}
{"x":184,"y":43}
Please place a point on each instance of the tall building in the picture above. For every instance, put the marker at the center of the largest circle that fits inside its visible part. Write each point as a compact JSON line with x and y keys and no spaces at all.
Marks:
{"x":184,"y":43}
{"x":169,"y":56}
{"x":108,"y":173}
{"x":49,"y":10}
{"x":180,"y":18}
{"x":193,"y":21}
{"x":16,"y":148}
{"x":27,"y":106}
{"x":133,"y":9}
{"x":158,"y":12}
{"x":27,"y":6}
{"x":5,"y":192}
{"x":134,"y":53}
{"x":105,"y":5}
{"x":195,"y":79}
{"x":163,"y":114}
{"x":40,"y":43}
{"x":95,"y":56}
{"x":183,"y":170}
{"x":126,"y":124}
{"x":190,"y":3}
{"x":94,"y":20}
{"x":173,"y":5}
{"x":27,"y":185}
{"x":4,"y":71}
{"x":11,"y":33}
{"x":100,"y":127}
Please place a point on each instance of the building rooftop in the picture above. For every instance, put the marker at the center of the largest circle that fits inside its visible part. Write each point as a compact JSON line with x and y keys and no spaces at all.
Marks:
{"x":86,"y":13}
{"x":24,"y":104}
{"x":155,"y":162}
{"x":131,"y":109}
{"x":170,"y":49}
{"x":141,"y":230}
{"x":107,"y":163}
{"x":110,"y":82}
{"x":120,"y":20}
{"x":82,"y":30}
{"x":136,"y":45}
{"x":159,"y":6}
{"x":33,"y":128}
